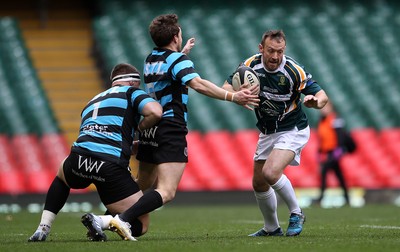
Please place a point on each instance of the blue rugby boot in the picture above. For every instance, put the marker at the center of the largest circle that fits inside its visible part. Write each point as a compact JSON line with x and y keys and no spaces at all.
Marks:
{"x":296,"y":222}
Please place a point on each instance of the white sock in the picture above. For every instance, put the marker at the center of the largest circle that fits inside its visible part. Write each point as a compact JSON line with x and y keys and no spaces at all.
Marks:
{"x":268,"y":205}
{"x":285,"y":190}
{"x":47,"y":219}
{"x":105,"y":221}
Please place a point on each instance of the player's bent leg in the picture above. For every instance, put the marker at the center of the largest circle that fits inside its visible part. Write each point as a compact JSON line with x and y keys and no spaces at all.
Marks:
{"x":147,"y":175}
{"x":139,"y":225}
{"x":169,"y":176}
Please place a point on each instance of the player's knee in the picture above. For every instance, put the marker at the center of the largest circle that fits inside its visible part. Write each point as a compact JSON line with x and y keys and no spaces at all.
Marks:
{"x":167,"y":194}
{"x":259,"y":184}
{"x":170,"y":195}
{"x":271,"y":176}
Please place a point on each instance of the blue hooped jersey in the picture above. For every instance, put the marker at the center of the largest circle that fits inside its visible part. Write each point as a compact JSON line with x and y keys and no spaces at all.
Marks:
{"x":280,"y":94}
{"x":166,"y":74}
{"x":108,"y":124}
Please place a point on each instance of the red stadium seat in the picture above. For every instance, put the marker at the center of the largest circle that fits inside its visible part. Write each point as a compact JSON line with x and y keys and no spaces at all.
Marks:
{"x":390,"y":135}
{"x":38,"y":181}
{"x":202,"y":166}
{"x":390,"y":140}
{"x":28,"y":152}
{"x":55,"y":149}
{"x":229,"y":160}
{"x":223,"y":161}
{"x":309,"y":155}
{"x":11,"y":178}
{"x":374,"y":151}
{"x":365,"y":139}
{"x":353,"y":167}
{"x":393,"y":181}
{"x":300,"y":177}
{"x":245,"y":142}
{"x":11,"y":181}
{"x":31,"y":161}
{"x":7,"y":158}
{"x":190,"y":182}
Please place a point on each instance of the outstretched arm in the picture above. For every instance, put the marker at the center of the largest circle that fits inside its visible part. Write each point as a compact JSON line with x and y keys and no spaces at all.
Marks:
{"x":243,"y":97}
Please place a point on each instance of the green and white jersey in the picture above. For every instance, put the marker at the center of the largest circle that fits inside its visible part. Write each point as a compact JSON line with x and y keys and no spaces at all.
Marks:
{"x":280,"y":106}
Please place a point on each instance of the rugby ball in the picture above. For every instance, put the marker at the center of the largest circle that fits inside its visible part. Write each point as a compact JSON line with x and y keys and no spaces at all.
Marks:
{"x":244,"y":75}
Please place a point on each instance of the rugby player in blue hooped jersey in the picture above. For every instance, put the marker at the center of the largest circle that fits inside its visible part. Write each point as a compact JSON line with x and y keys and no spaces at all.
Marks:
{"x":283,"y":126}
{"x":101,"y":154}
{"x":162,"y":152}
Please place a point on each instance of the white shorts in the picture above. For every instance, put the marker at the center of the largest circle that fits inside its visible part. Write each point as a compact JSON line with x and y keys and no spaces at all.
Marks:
{"x":293,"y":140}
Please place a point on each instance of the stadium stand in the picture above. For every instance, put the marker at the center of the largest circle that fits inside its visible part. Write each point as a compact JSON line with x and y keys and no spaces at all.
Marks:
{"x":60,"y":48}
{"x":349,"y":47}
{"x":322,"y":43}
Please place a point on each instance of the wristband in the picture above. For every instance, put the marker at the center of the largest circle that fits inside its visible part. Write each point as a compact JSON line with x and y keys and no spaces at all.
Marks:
{"x":233,"y":95}
{"x":228,"y":96}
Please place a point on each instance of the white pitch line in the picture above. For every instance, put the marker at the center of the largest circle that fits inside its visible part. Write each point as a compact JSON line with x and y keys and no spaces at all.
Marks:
{"x":380,"y":227}
{"x":255,"y":222}
{"x":248,"y":221}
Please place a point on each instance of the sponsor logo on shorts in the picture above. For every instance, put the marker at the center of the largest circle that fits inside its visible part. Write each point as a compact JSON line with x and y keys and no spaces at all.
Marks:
{"x":150,"y":133}
{"x":89,"y":164}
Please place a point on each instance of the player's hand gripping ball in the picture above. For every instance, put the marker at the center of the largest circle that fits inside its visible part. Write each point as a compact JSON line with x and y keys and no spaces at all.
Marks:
{"x":244,"y":75}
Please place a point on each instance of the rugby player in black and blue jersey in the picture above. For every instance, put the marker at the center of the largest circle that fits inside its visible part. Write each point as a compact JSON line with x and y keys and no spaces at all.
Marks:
{"x":283,"y":126}
{"x":168,"y":73}
{"x":101,"y":154}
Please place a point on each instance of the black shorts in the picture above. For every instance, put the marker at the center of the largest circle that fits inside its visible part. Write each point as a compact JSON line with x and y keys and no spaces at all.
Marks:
{"x":163,"y":143}
{"x":113,"y":182}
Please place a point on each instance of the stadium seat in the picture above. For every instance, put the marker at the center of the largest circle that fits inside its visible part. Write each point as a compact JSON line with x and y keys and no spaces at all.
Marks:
{"x":55,"y":149}
{"x":382,"y":163}
{"x":28,"y":152}
{"x":190,"y":180}
{"x":245,"y":141}
{"x":11,"y":178}
{"x":13,"y":121}
{"x":228,"y":159}
{"x":32,"y":163}
{"x":390,"y":140}
{"x":26,"y":88}
{"x":309,"y":155}
{"x":203,"y":166}
{"x":353,"y":167}
{"x":300,"y":178}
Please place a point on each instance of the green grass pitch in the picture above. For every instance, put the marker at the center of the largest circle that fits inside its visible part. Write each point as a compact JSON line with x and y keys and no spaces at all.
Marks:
{"x":218,"y":228}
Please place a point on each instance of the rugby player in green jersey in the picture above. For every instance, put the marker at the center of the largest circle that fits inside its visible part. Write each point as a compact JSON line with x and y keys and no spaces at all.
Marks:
{"x":283,"y":126}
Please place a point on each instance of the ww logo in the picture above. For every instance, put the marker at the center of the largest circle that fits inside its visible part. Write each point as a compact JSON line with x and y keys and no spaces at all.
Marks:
{"x":89,"y":164}
{"x":150,"y":133}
